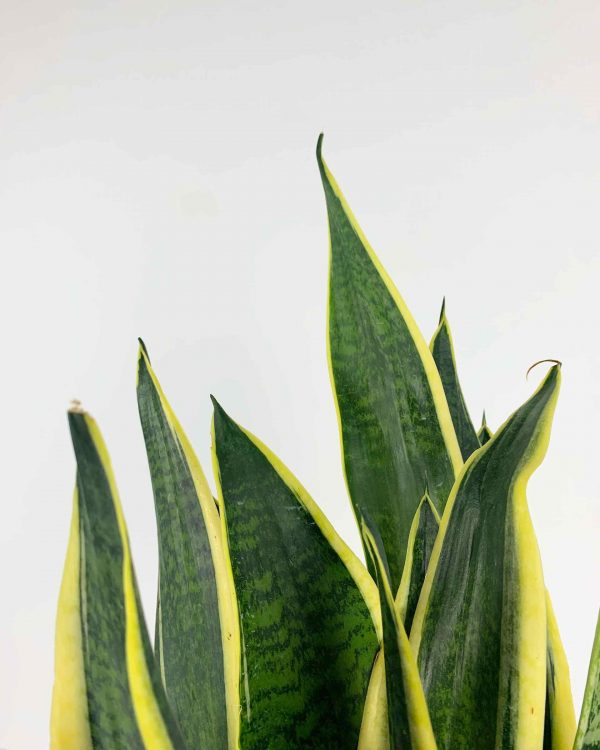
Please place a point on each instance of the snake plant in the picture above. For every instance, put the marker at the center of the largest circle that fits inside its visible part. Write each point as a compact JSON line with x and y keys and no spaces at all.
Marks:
{"x":270,"y":633}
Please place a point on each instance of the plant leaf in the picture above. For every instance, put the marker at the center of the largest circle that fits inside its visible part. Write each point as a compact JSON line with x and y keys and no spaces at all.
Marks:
{"x":107,"y":692}
{"x":308,"y":609}
{"x":195,"y":614}
{"x":442,"y":348}
{"x":485,"y":434}
{"x":559,"y":721}
{"x":396,"y":431}
{"x":408,"y":718}
{"x":423,"y":532}
{"x":374,"y":729}
{"x":480,"y":625}
{"x":588,"y":731}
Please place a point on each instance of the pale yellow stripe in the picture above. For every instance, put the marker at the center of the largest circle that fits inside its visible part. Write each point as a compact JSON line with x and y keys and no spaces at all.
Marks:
{"x":374,"y":730}
{"x":235,"y":648}
{"x":69,"y":723}
{"x":531,"y":654}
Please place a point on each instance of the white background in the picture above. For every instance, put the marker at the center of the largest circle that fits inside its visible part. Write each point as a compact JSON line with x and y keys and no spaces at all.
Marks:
{"x":157,"y":178}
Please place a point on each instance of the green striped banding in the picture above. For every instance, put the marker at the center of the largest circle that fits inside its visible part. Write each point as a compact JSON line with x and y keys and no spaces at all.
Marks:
{"x":125,"y":705}
{"x":308,"y":637}
{"x":396,"y":431}
{"x":480,"y":625}
{"x":588,"y":731}
{"x":423,"y":532}
{"x":442,"y":348}
{"x":409,"y":725}
{"x":189,"y":637}
{"x":485,"y":434}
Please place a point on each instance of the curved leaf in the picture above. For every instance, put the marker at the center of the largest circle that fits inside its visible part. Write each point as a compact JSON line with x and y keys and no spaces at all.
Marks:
{"x":195,"y":614}
{"x":442,"y":348}
{"x":396,"y":431}
{"x":480,"y":625}
{"x":408,"y":718}
{"x":559,"y":721}
{"x":107,"y":693}
{"x":307,"y":606}
{"x":588,"y":731}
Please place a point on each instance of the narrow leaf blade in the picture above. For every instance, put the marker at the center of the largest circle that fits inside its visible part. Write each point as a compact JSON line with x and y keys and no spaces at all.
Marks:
{"x":308,"y":609}
{"x":195,"y":614}
{"x":442,"y":348}
{"x":480,"y":626}
{"x":125,"y":707}
{"x":395,"y":427}
{"x":409,"y":724}
{"x":588,"y":731}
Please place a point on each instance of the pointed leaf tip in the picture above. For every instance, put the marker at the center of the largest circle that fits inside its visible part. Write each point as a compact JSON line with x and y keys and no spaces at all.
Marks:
{"x":220,"y":416}
{"x":443,"y":310}
{"x":143,"y":348}
{"x":320,"y":147}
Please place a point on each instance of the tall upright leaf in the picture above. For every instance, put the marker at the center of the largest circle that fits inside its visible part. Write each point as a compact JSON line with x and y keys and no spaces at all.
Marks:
{"x":423,"y":533}
{"x":559,"y":721}
{"x":107,"y":691}
{"x":195,"y":613}
{"x":396,"y":430}
{"x":480,"y":625}
{"x":308,"y":609}
{"x":588,"y":731}
{"x":484,"y":435}
{"x":408,"y":718}
{"x":442,"y":348}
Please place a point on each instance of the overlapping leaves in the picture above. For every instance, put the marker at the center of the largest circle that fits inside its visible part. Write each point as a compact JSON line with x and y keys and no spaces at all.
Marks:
{"x":270,"y":633}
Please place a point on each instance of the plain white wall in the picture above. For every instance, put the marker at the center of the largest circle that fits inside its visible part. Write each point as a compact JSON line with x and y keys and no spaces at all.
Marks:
{"x":157,"y":178}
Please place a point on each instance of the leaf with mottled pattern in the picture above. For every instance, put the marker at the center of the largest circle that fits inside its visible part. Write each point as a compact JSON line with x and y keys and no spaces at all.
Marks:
{"x":194,"y":625}
{"x":308,"y":609}
{"x":395,"y":427}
